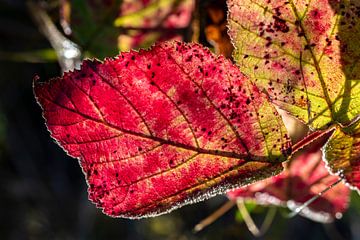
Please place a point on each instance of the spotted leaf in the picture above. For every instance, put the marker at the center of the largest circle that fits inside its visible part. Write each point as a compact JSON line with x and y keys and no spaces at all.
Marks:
{"x":343,"y":154}
{"x":305,"y":54}
{"x":303,"y":178}
{"x":154,"y":130}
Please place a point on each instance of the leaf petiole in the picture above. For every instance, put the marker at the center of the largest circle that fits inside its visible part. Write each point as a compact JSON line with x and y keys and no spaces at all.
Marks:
{"x":311,"y":138}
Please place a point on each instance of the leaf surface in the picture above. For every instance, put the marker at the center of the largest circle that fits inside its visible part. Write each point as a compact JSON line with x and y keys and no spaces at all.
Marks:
{"x":304,"y":178}
{"x":154,"y":130}
{"x":342,"y":153}
{"x":304,"y":53}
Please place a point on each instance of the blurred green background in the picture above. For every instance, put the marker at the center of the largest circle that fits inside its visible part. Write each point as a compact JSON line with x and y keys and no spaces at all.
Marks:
{"x":43,"y":191}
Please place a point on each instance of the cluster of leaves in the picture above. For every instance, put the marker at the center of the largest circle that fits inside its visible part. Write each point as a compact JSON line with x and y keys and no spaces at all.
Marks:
{"x":156,"y":129}
{"x":102,"y":27}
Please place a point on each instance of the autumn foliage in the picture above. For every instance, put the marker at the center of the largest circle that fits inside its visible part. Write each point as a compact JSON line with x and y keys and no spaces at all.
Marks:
{"x":160,"y":128}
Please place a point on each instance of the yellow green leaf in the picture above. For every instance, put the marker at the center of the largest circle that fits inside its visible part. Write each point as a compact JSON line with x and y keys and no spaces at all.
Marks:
{"x":305,"y":54}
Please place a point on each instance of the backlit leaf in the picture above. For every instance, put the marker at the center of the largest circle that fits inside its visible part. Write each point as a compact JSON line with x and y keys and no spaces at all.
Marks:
{"x":304,"y":53}
{"x":304,"y":178}
{"x":343,"y":154}
{"x":154,"y":130}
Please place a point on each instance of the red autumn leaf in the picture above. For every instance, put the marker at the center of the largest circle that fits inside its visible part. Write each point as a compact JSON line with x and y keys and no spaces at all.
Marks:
{"x":304,"y":178}
{"x":154,"y":130}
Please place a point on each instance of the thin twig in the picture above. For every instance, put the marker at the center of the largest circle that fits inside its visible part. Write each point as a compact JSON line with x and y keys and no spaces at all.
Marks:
{"x":214,"y":216}
{"x":68,"y":53}
{"x":250,"y":222}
